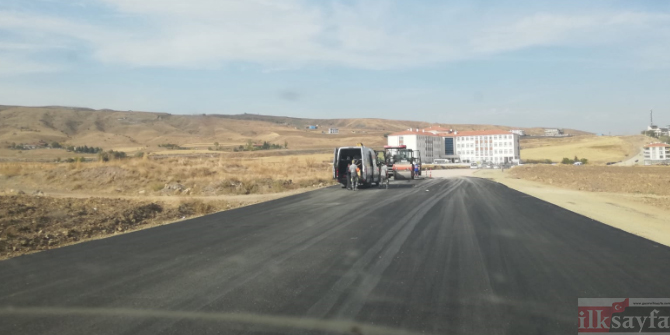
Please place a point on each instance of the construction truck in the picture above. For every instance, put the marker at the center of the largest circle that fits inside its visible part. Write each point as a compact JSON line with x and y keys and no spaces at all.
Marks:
{"x":402,"y":163}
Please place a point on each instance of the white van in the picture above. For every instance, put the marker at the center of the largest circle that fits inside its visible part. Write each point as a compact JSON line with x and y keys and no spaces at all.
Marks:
{"x":366,"y":159}
{"x":474,"y":166}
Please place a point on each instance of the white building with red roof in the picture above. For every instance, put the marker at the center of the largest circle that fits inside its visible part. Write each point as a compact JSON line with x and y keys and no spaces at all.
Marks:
{"x":481,"y":146}
{"x":655,"y":153}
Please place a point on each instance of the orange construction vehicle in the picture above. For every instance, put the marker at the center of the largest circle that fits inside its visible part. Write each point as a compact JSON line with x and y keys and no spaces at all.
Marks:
{"x":403,"y":163}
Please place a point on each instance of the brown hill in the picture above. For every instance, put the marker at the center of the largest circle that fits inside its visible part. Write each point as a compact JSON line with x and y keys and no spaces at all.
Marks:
{"x":134,"y":131}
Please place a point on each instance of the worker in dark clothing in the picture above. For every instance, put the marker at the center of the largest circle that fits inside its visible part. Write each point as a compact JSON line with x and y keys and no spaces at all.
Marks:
{"x":348,"y":176}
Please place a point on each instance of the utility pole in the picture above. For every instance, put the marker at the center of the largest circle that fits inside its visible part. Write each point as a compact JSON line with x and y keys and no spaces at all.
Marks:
{"x":651,"y":117}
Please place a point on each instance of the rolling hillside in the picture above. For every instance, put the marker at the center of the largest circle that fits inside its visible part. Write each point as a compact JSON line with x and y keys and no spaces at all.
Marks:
{"x":132,"y":131}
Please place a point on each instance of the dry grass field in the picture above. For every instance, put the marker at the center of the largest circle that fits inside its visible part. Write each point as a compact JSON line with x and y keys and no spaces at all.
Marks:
{"x":171,"y":176}
{"x":597,"y":149}
{"x":48,"y":205}
{"x":617,"y":179}
{"x":648,"y":184}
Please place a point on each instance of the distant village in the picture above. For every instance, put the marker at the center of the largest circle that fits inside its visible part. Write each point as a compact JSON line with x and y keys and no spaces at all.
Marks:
{"x":657,"y":152}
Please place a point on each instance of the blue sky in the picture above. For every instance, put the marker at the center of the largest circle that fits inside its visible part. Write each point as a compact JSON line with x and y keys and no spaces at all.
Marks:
{"x":598,"y":65}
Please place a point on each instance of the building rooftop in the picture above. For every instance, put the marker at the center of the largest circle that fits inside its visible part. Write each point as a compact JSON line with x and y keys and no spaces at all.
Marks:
{"x":438,"y":129}
{"x":427,"y":132}
{"x":413,"y":132}
{"x":483,"y":132}
{"x":657,"y":145}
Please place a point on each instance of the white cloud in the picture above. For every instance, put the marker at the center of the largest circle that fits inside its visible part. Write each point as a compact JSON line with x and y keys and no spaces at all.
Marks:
{"x":280,"y":34}
{"x":11,"y":65}
{"x":543,"y":29}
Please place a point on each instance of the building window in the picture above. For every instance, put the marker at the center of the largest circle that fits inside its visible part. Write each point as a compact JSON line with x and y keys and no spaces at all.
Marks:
{"x":448,"y":145}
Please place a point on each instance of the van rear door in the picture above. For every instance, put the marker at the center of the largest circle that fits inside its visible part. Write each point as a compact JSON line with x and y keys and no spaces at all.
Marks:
{"x":335,"y":161}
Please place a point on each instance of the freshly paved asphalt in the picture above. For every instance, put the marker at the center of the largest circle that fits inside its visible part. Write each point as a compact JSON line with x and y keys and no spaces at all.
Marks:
{"x":442,"y":256}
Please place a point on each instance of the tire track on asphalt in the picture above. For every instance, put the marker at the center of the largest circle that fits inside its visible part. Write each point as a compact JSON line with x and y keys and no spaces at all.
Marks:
{"x":391,"y":242}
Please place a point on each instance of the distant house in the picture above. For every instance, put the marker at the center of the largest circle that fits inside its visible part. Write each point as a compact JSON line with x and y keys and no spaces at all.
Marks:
{"x":519,"y":132}
{"x":333,"y":131}
{"x":656,"y":153}
{"x":553,"y":132}
{"x":658,"y":131}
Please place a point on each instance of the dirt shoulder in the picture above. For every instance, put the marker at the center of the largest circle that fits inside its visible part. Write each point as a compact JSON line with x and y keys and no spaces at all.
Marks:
{"x":637,"y":214}
{"x":31,"y":223}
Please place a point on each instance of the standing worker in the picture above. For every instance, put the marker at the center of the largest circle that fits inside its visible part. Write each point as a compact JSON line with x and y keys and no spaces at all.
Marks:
{"x":383,"y":176}
{"x":353,"y":170}
{"x":348,"y":176}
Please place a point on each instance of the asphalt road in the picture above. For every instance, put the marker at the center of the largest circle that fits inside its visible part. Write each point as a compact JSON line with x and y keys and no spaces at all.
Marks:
{"x":638,"y":159}
{"x":442,"y":256}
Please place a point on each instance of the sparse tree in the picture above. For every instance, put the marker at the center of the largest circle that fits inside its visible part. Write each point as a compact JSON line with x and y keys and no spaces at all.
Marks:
{"x":285,"y":144}
{"x":650,"y":133}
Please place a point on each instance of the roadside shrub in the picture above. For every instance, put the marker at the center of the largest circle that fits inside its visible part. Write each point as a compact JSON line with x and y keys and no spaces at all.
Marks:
{"x":538,"y":161}
{"x":111,"y":154}
{"x":170,"y":146}
{"x":84,"y":149}
{"x":195,"y":207}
